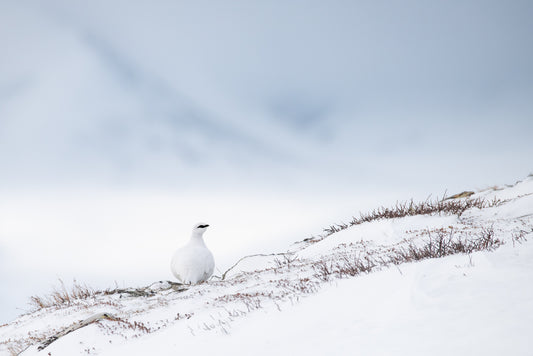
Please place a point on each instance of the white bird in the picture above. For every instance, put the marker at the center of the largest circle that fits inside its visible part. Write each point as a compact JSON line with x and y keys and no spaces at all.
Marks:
{"x":193,"y":263}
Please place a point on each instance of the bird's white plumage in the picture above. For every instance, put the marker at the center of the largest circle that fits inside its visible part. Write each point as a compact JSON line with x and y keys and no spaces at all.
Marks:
{"x":193,"y":263}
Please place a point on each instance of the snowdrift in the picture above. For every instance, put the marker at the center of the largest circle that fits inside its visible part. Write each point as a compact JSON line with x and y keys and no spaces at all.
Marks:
{"x":441,"y":277}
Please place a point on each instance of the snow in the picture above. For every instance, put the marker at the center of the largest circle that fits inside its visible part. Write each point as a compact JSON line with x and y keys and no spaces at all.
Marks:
{"x":475,"y":304}
{"x":437,"y":307}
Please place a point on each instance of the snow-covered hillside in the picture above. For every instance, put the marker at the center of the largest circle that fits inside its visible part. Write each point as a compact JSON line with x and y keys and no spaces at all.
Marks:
{"x":439,"y":277}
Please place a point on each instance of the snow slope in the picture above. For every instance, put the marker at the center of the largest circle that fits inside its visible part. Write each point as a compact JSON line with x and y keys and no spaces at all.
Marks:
{"x":305,"y":301}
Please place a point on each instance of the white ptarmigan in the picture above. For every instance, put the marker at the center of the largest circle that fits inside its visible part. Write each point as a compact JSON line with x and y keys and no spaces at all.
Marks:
{"x":193,"y":263}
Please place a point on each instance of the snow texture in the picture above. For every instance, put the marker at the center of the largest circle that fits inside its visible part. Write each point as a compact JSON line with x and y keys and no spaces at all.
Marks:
{"x":476,"y":303}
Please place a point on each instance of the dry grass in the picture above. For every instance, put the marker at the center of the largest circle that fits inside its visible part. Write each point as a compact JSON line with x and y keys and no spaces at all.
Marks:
{"x":287,"y":261}
{"x":15,"y":348}
{"x":410,"y":208}
{"x":251,"y":301}
{"x":443,"y":242}
{"x":520,"y":236}
{"x":136,"y":326}
{"x":83,"y":295}
{"x":63,"y":296}
{"x":439,"y":243}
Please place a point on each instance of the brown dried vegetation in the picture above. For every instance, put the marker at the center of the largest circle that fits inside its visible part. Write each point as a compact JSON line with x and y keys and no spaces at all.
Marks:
{"x":438,"y":243}
{"x":410,"y":208}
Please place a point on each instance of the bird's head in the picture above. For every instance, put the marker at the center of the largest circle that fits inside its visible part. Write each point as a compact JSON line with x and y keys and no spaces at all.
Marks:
{"x":200,"y":228}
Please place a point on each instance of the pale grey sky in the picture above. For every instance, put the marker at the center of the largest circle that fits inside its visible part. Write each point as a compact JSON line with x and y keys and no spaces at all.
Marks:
{"x":159,"y":92}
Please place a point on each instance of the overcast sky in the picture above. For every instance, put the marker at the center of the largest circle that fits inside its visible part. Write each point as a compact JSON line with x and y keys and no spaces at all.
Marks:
{"x":327,"y":101}
{"x":162,"y":92}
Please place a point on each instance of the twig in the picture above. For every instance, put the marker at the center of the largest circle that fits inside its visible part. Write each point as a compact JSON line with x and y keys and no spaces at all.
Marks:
{"x":76,"y":326}
{"x":256,"y":255}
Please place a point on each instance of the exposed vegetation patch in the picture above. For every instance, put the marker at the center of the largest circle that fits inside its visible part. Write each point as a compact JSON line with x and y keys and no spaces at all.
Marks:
{"x":438,"y":243}
{"x":63,"y":296}
{"x":410,"y":208}
{"x":85,"y":296}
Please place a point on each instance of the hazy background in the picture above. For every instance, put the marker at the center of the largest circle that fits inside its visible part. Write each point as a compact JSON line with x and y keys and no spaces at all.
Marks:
{"x":124,"y":123}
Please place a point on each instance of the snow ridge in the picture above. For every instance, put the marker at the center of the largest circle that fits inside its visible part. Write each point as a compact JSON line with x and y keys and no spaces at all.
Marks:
{"x":274,"y":282}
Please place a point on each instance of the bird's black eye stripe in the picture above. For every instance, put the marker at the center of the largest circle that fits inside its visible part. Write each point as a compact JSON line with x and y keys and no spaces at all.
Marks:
{"x":202,"y":226}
